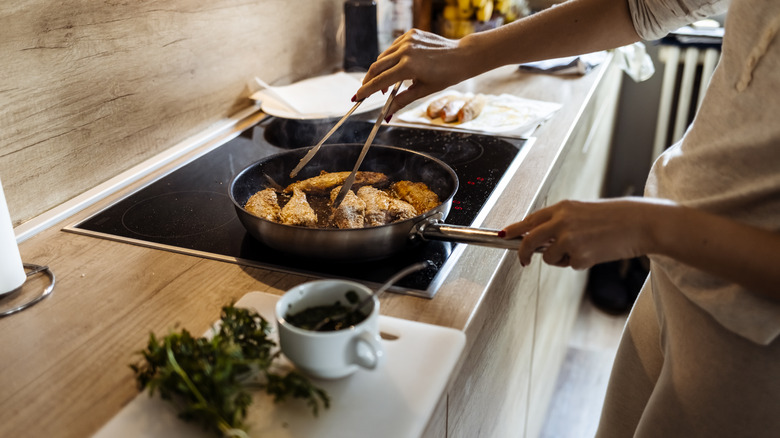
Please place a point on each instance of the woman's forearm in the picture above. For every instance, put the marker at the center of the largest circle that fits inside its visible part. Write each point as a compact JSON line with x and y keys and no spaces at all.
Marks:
{"x":582,"y":234}
{"x":740,"y":253}
{"x":433,"y":62}
{"x":571,"y":28}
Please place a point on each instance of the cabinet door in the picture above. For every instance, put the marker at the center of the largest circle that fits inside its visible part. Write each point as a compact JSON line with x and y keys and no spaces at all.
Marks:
{"x":489,"y":396}
{"x":581,"y":177}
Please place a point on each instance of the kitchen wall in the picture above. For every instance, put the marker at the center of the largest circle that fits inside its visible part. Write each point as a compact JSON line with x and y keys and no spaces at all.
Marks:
{"x":91,"y":88}
{"x":632,"y":142}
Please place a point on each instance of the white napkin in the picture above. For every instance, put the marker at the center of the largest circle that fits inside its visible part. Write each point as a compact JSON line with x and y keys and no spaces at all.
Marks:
{"x":569,"y":65}
{"x":503,"y":114}
{"x":322,"y":96}
{"x":635,"y":62}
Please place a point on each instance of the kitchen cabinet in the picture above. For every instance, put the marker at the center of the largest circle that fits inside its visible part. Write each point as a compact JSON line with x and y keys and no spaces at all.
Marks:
{"x":580,"y":177}
{"x":489,"y":397}
{"x":65,"y":360}
{"x":508,"y":377}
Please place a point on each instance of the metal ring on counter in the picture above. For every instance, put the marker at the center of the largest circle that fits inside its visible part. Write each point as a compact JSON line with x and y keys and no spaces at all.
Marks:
{"x":34,"y":269}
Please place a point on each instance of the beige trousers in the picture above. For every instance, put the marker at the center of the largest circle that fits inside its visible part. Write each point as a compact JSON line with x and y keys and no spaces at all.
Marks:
{"x":678,"y":373}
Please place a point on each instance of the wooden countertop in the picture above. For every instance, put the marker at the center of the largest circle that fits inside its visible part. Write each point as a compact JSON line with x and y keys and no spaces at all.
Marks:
{"x":65,"y":360}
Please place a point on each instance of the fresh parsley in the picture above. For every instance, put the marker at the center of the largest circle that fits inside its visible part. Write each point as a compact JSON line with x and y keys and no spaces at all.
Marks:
{"x":210,"y":379}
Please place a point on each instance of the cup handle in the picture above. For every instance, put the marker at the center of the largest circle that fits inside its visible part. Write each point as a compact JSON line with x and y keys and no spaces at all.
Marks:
{"x":372,"y":355}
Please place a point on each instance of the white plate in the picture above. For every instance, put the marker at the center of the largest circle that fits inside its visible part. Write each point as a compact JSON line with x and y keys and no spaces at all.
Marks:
{"x":318,"y":98}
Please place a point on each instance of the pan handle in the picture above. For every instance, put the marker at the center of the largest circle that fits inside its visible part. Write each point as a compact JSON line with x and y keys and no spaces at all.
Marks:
{"x":432,"y":230}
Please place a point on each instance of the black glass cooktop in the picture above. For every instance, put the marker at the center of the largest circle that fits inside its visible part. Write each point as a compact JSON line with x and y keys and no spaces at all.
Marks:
{"x":189,"y":210}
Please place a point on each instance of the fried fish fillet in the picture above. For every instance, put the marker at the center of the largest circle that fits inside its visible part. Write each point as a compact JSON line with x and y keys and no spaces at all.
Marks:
{"x":450,"y":111}
{"x":436,"y":107}
{"x":382,"y":208}
{"x":418,"y":194}
{"x":264,"y":204}
{"x":351,"y":213}
{"x":472,"y":108}
{"x":325,"y":181}
{"x":297,"y":211}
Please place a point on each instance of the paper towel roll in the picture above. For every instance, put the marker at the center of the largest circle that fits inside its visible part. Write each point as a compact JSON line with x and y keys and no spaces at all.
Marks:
{"x":12,"y":273}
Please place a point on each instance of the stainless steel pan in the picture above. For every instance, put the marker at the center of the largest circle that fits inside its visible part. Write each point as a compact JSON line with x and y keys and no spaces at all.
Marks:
{"x":363,"y":243}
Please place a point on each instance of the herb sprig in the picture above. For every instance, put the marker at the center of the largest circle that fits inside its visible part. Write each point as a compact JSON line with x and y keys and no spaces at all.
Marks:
{"x":210,"y":378}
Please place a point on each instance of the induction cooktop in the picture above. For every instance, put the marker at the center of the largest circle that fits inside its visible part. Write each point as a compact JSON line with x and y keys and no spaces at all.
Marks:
{"x":189,"y":211}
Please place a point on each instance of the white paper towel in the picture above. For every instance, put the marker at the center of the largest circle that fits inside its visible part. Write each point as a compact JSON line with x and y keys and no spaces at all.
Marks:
{"x":504,"y":114}
{"x":12,"y":273}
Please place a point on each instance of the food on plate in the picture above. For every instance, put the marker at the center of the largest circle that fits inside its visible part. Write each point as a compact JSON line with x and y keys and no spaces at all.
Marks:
{"x":417,"y":194}
{"x":325,"y":181}
{"x":297,"y":211}
{"x":382,"y":209}
{"x":351,"y":213}
{"x":305,"y":203}
{"x":435,"y":108}
{"x":472,"y":108}
{"x":456,"y":107}
{"x":264,"y":204}
{"x":450,"y":111}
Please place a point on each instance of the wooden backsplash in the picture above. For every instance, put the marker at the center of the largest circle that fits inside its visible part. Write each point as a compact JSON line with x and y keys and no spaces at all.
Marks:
{"x":92,"y":87}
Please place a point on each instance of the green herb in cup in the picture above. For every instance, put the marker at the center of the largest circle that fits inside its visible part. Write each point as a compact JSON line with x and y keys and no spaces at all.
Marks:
{"x":338,"y":315}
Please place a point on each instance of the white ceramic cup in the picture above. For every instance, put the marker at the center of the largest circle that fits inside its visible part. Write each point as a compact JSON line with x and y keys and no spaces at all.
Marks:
{"x":329,"y":354}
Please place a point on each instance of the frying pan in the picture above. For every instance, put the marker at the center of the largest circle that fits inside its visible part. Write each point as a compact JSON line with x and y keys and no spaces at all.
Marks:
{"x":367,"y":243}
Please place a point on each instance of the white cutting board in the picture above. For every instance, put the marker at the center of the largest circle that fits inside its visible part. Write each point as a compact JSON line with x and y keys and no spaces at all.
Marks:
{"x":396,"y":400}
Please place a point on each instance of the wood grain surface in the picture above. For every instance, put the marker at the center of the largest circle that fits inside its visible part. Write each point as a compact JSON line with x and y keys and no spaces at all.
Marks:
{"x":91,"y":88}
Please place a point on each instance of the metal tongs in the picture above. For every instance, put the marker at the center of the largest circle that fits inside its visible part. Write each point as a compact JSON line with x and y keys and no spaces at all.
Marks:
{"x":394,"y":279}
{"x":351,"y":178}
{"x":313,"y":151}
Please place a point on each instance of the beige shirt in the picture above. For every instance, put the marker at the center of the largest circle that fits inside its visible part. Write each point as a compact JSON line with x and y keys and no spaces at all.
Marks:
{"x":728,"y":162}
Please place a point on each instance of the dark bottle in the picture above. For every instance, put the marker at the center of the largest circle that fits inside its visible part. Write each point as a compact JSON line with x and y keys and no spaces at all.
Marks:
{"x":361,"y":44}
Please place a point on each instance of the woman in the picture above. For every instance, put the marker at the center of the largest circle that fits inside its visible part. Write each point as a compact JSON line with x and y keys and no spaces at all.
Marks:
{"x":700,"y":354}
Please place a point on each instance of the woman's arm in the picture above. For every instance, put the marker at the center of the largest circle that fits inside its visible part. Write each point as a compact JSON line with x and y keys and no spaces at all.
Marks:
{"x":434,"y":63}
{"x":582,"y":234}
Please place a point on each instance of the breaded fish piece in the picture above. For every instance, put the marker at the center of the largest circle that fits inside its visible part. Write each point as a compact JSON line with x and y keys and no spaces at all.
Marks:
{"x":418,"y":194}
{"x":437,"y":106}
{"x":325,"y":181}
{"x":472,"y":109}
{"x":297,"y":211}
{"x":450,"y":111}
{"x":264,"y":204}
{"x":382,"y":208}
{"x":351,"y":213}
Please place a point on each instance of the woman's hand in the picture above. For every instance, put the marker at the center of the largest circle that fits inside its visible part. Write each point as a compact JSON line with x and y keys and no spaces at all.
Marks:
{"x":430,"y":61}
{"x":582,"y":234}
{"x":434,"y":63}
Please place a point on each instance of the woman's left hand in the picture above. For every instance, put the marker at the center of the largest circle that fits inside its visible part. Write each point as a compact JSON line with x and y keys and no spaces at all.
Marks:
{"x":582,"y":234}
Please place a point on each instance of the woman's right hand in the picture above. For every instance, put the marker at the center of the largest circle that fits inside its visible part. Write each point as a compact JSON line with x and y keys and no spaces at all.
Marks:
{"x":430,"y":61}
{"x":581,"y":234}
